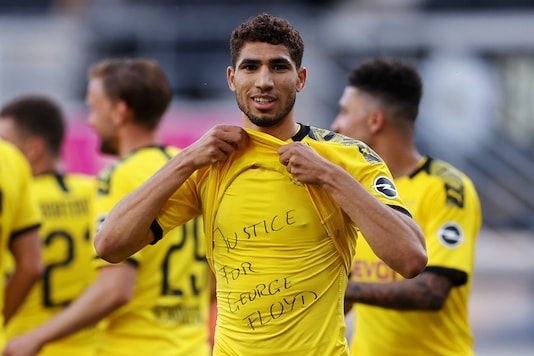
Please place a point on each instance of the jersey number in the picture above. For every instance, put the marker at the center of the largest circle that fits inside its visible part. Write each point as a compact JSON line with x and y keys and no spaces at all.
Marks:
{"x":47,"y":276}
{"x":187,"y":231}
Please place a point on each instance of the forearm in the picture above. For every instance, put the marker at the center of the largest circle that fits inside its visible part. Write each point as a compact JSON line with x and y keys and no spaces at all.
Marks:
{"x":17,"y":289}
{"x":428,"y":291}
{"x":101,"y":298}
{"x":394,"y":237}
{"x":126,"y":229}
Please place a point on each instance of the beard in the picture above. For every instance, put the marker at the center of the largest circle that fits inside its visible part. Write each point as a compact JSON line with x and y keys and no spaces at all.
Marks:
{"x":107,"y":147}
{"x":267,"y":120}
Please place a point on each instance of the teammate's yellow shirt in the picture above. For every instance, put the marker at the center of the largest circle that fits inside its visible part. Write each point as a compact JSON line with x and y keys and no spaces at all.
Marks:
{"x":281,"y":250}
{"x":18,"y":208}
{"x":67,"y":207}
{"x":445,"y":204}
{"x":168,"y":313}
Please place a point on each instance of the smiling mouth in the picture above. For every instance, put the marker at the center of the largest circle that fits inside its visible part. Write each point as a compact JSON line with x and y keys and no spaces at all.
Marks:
{"x":263,"y":100}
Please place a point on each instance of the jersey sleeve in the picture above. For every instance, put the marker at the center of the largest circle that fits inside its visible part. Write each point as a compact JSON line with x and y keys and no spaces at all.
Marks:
{"x":367,"y":168}
{"x":182,"y":206}
{"x":120,"y":183}
{"x":452,"y":222}
{"x":27,"y":214}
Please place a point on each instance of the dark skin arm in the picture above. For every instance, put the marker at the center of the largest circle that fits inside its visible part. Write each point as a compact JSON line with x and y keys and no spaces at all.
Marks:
{"x":428,"y":291}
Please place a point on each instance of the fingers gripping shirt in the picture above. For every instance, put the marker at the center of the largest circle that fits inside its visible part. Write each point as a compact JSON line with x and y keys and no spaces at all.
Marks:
{"x":280,"y":250}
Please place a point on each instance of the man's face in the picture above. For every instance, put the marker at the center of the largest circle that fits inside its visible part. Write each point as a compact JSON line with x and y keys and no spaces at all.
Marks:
{"x":101,"y":111}
{"x":352,"y":119}
{"x":265,"y":81}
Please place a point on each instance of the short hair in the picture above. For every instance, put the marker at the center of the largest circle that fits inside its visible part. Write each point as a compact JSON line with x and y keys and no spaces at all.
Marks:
{"x":268,"y":29}
{"x":38,"y":116}
{"x":141,"y":83}
{"x":396,"y":83}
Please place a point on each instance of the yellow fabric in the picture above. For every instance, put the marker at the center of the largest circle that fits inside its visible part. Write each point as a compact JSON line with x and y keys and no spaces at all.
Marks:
{"x":439,"y":196}
{"x":67,"y":206}
{"x":18,"y":207}
{"x":281,"y":250}
{"x":168,"y":314}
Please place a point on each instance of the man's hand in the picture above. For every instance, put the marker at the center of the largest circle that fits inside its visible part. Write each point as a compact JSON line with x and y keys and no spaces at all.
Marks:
{"x":306,"y":165}
{"x":24,"y":345}
{"x":216,"y":145}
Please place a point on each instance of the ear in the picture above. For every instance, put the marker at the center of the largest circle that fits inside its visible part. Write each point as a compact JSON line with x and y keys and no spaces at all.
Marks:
{"x":34,"y":148}
{"x":230,"y":74}
{"x":301,"y":79}
{"x":377,"y":121}
{"x":120,"y":112}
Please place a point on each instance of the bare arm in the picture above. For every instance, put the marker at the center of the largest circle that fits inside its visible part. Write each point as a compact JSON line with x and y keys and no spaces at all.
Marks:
{"x":428,"y":291}
{"x":26,"y":250}
{"x":394,"y":237}
{"x":113,"y":288}
{"x":127,"y":227}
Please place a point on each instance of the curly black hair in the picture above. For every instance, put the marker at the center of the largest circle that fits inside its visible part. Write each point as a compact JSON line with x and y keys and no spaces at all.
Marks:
{"x":269,"y":29}
{"x":396,"y":83}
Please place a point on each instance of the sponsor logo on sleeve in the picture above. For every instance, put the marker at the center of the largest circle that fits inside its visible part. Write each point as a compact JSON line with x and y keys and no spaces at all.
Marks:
{"x":451,"y":235}
{"x":386,"y":187}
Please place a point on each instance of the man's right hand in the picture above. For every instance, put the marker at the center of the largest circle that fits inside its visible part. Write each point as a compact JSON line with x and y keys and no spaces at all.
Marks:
{"x":216,"y":145}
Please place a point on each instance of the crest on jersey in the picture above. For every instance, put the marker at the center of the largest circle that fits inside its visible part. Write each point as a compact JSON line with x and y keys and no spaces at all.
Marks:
{"x":451,"y":235}
{"x":386,"y":187}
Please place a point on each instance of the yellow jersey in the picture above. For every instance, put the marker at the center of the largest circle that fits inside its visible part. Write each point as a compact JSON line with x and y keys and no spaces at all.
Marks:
{"x":445,"y":203}
{"x":281,"y":250}
{"x":18,"y":208}
{"x":67,"y":205}
{"x":168,"y":313}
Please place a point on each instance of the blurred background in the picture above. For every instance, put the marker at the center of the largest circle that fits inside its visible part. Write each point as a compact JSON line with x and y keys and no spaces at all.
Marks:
{"x":476,"y":58}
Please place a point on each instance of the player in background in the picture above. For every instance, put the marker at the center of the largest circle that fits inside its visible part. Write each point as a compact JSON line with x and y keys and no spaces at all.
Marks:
{"x":426,"y":315}
{"x":35,"y":124}
{"x":157,"y":301}
{"x":19,"y":237}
